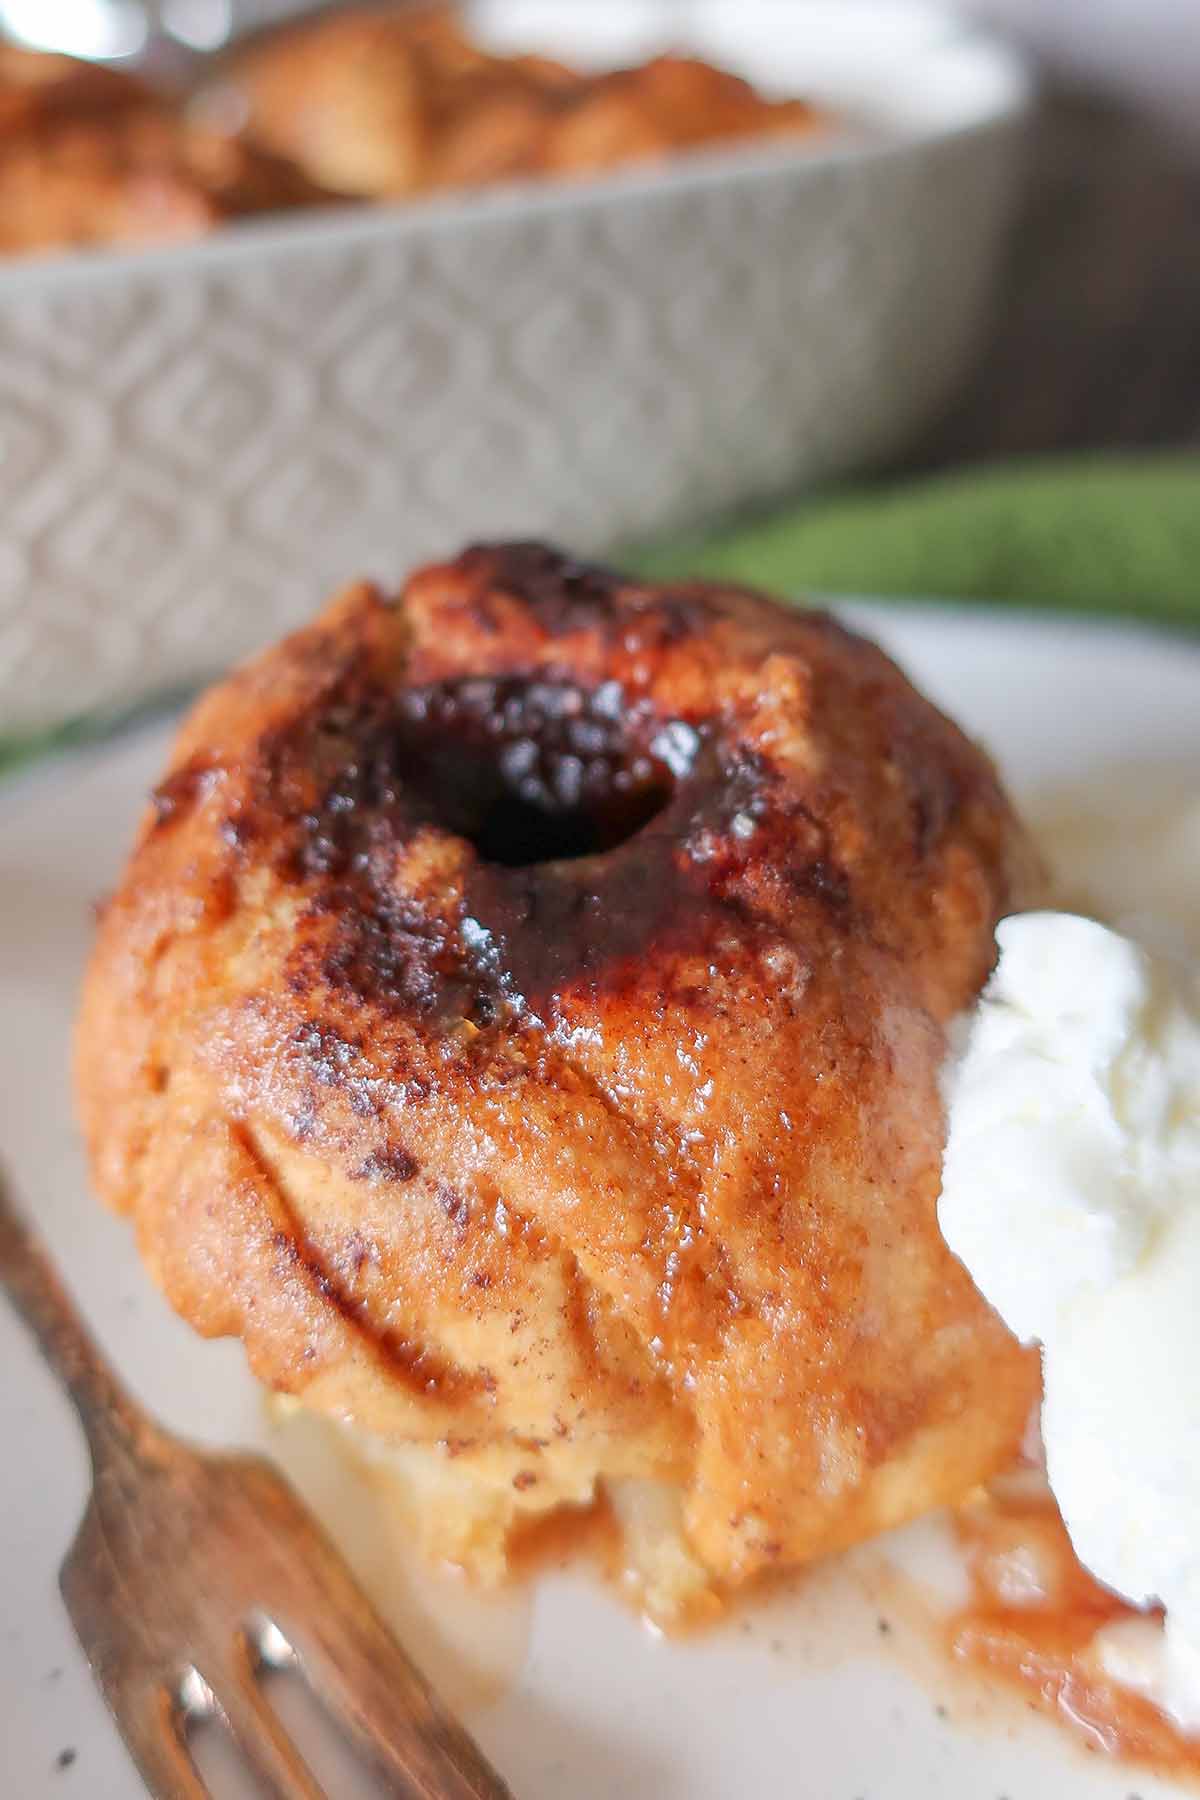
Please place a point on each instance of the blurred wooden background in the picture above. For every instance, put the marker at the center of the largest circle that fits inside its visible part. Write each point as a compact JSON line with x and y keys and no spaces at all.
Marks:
{"x":1096,"y":335}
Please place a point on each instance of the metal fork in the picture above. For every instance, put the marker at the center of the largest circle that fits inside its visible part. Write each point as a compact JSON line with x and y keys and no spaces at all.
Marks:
{"x":191,"y":1575}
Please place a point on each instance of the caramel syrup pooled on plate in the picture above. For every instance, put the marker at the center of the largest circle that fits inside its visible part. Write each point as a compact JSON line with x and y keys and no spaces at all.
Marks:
{"x":1030,"y":1619}
{"x":473,"y":1640}
{"x":1033,"y":1617}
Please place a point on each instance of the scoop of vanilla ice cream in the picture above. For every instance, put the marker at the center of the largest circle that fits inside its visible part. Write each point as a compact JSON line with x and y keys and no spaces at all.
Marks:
{"x":1071,"y":1191}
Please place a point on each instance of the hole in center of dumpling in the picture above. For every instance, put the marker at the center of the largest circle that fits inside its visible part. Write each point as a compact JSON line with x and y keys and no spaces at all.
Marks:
{"x":531,"y":770}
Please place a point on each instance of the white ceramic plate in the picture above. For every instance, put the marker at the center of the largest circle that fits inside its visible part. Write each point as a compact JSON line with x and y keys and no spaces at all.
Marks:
{"x":800,"y":1698}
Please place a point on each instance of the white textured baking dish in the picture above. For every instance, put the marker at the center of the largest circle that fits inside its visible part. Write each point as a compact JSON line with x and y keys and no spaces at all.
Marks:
{"x":197,"y":444}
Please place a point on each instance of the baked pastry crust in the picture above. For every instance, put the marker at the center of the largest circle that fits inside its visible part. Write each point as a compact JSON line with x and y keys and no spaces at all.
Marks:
{"x":91,"y":157}
{"x":386,"y":102}
{"x":520,"y":1023}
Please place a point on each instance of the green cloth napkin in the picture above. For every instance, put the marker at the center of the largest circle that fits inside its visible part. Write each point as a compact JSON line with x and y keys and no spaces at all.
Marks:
{"x":1095,"y":534}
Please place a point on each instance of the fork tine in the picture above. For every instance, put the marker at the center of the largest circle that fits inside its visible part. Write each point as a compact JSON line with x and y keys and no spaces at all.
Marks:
{"x":258,"y":1730}
{"x":150,"y":1725}
{"x":139,"y":1585}
{"x":146,"y":1711}
{"x":383,"y":1700}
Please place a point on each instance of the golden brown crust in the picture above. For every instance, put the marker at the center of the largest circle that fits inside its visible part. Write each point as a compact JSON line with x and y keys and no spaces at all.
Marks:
{"x":613,"y":1147}
{"x":92,"y":157}
{"x":385,"y":103}
{"x":366,"y":103}
{"x":38,"y":89}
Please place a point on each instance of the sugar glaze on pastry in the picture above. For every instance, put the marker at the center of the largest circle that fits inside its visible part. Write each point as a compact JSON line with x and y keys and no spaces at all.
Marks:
{"x":520,"y":1021}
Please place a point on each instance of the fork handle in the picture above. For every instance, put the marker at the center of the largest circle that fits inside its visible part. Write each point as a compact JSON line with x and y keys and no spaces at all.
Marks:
{"x":110,"y":1416}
